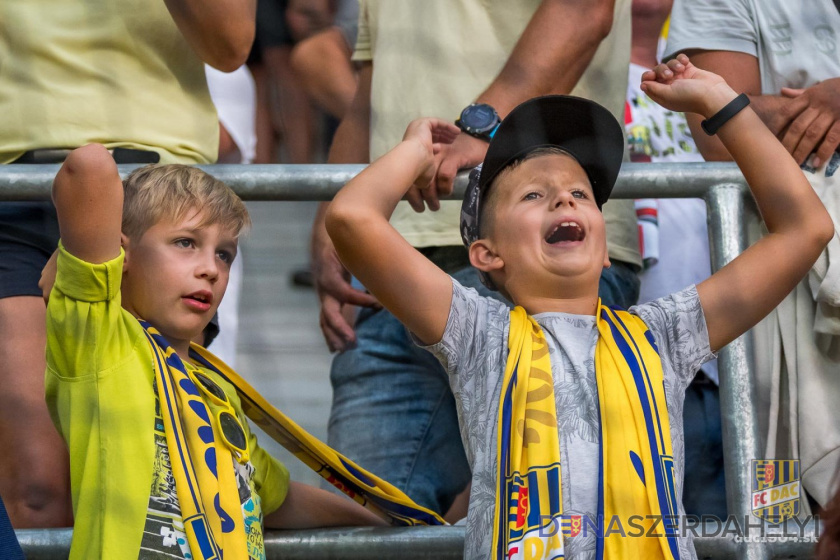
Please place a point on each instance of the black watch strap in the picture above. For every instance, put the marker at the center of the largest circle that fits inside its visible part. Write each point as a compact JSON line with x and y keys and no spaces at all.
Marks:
{"x":713,"y":124}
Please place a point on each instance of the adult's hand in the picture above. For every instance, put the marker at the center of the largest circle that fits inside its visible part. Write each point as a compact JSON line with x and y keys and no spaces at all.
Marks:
{"x":332,"y":283}
{"x":818,"y":125}
{"x":464,"y":152}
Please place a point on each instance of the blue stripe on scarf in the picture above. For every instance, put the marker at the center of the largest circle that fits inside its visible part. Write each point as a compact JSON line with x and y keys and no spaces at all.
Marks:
{"x":646,"y":377}
{"x":504,"y":460}
{"x":661,"y":486}
{"x":599,"y":535}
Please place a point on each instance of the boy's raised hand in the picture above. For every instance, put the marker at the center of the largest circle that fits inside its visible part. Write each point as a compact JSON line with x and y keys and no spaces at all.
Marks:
{"x":430,"y":134}
{"x":678,"y":85}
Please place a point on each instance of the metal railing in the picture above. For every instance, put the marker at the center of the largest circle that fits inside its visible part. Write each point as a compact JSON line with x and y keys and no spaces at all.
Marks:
{"x":729,"y":206}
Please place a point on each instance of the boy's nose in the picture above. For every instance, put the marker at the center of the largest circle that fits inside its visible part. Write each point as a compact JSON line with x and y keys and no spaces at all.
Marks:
{"x":564,"y":198}
{"x":208,"y":267}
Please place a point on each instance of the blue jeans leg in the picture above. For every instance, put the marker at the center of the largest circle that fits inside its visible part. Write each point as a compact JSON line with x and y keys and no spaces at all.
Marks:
{"x":393,"y":411}
{"x":619,"y":285}
{"x":704,"y":488}
{"x":394,"y":414}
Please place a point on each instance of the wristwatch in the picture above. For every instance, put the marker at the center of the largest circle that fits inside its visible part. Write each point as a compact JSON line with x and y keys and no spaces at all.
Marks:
{"x":479,"y":120}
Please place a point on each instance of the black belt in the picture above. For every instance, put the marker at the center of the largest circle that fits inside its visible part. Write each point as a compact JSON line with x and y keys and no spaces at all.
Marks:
{"x":58,"y":155}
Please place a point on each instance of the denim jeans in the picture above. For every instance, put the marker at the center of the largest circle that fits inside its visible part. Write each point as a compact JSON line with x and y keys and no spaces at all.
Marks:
{"x":393,"y":411}
{"x":704,"y":488}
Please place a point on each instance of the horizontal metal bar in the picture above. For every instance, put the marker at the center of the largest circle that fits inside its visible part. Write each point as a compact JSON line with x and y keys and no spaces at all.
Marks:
{"x":322,"y":181}
{"x":416,"y":543}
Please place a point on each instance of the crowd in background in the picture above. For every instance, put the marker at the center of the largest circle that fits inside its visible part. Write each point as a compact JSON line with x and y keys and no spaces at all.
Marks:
{"x":309,"y":81}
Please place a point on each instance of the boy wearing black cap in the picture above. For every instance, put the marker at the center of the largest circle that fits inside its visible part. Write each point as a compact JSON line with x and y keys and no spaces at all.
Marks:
{"x":571,"y":412}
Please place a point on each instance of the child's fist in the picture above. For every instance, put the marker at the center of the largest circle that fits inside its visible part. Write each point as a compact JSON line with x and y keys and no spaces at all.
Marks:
{"x":431,"y":133}
{"x":678,"y":85}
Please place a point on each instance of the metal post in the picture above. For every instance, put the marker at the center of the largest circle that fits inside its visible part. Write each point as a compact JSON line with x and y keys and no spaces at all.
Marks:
{"x":741,"y":444}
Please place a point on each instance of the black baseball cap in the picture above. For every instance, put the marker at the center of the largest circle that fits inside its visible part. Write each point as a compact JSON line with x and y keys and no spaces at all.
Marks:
{"x":580,"y":127}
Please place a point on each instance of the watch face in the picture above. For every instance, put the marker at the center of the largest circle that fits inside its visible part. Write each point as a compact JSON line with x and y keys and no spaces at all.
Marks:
{"x":479,"y":117}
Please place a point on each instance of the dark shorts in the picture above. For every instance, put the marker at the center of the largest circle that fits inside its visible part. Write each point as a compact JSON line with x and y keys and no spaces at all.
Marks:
{"x":271,"y":30}
{"x":29,"y":230}
{"x":28,"y":236}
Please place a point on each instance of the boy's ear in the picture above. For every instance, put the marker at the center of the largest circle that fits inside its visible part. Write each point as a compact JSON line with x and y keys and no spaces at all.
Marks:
{"x":125,"y":244}
{"x":483,"y":257}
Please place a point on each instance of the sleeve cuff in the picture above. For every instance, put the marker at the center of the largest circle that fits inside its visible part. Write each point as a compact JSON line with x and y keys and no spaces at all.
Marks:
{"x":84,"y":281}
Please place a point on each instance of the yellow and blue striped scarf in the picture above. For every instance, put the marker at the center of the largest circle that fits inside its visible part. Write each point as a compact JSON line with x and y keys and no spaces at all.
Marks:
{"x":201,"y":464}
{"x":636,"y":478}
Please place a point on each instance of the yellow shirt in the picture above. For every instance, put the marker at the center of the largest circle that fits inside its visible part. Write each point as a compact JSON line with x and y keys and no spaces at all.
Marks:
{"x":100,"y":394}
{"x":117,"y":72}
{"x":431,"y":58}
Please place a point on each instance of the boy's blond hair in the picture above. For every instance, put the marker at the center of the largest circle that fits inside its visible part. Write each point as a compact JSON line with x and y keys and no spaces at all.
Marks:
{"x":158,"y":193}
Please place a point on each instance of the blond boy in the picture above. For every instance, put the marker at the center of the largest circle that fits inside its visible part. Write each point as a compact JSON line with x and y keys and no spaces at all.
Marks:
{"x":534,"y":228}
{"x":158,"y":250}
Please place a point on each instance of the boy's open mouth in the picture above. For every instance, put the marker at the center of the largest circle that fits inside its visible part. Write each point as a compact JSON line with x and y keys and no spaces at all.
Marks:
{"x":565,"y":231}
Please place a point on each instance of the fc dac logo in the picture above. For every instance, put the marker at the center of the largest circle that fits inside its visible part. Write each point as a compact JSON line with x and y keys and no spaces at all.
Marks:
{"x":775,"y":489}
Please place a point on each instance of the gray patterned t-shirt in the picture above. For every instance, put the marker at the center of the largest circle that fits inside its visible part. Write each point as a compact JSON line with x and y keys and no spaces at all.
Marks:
{"x":474,"y":352}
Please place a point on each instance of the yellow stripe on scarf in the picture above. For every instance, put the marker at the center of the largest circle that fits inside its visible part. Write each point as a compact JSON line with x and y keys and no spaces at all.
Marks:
{"x":637,"y":477}
{"x":529,"y":496}
{"x":201,"y":464}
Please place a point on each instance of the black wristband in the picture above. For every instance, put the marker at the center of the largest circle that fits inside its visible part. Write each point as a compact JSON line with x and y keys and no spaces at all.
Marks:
{"x":712,"y":125}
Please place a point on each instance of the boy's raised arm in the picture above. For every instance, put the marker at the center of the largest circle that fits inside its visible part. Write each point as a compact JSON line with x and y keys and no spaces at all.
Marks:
{"x":88,"y":197}
{"x":743,"y":292}
{"x":416,"y":291}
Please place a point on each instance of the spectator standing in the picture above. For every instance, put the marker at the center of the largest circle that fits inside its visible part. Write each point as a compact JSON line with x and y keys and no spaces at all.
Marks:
{"x":675,"y":248}
{"x":322,"y":62}
{"x":786,"y":57}
{"x":128,"y":74}
{"x":393,"y":410}
{"x":285,"y":117}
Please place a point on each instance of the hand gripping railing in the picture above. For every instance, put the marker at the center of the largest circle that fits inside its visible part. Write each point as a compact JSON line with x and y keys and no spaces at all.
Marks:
{"x":729,"y":205}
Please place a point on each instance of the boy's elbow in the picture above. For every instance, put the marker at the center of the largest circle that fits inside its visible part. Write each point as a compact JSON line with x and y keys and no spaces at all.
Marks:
{"x":91,"y":158}
{"x":826,"y":229}
{"x":81,"y":165}
{"x":339,"y":220}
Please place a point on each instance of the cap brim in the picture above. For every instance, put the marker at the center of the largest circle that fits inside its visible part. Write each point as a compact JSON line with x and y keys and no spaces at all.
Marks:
{"x":582,"y":128}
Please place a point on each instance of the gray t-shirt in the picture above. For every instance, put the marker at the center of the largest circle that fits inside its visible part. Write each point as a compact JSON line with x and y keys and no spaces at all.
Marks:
{"x":474,"y":352}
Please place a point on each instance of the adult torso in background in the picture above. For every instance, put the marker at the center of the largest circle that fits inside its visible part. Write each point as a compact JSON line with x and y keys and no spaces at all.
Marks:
{"x":796,"y":43}
{"x":433,"y":57}
{"x":111,"y":71}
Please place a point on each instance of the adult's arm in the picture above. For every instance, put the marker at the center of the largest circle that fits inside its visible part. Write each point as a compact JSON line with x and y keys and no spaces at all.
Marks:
{"x":804,"y":120}
{"x":350,"y":145}
{"x":550,"y":56}
{"x":220,"y":31}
